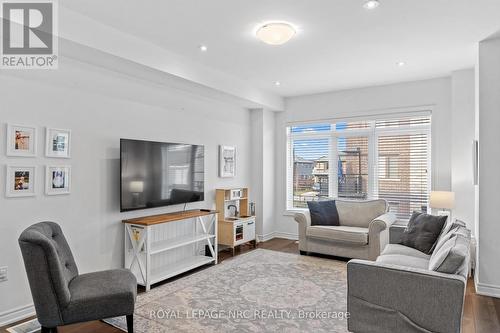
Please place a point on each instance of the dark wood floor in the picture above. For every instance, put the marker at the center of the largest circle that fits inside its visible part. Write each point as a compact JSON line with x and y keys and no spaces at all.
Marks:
{"x":481,"y":313}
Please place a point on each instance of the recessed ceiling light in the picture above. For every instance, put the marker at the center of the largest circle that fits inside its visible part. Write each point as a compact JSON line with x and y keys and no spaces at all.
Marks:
{"x":203,"y":48}
{"x":371,"y":4}
{"x":401,"y":63}
{"x":277,"y":83}
{"x":275,"y":33}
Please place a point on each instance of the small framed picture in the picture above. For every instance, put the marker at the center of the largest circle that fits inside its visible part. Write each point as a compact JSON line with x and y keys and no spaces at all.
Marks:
{"x":20,"y":181}
{"x":227,"y":161}
{"x":58,"y":143}
{"x":57,"y":180}
{"x":21,"y":141}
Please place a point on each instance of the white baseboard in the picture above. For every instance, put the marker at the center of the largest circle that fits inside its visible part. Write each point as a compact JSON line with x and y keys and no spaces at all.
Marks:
{"x":487,"y":289}
{"x":277,"y":234}
{"x":17,"y":314}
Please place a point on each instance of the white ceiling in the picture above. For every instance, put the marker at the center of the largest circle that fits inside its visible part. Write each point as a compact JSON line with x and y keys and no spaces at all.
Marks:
{"x":339,"y":45}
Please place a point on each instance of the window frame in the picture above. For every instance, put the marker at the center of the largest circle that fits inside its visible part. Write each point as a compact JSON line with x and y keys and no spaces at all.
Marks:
{"x":372,"y":133}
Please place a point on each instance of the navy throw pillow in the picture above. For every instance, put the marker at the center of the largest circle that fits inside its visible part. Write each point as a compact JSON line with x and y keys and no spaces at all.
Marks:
{"x":423,"y":231}
{"x":323,"y":212}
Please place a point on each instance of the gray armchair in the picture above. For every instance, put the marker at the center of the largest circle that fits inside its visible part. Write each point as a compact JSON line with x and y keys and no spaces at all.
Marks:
{"x":61,"y":295}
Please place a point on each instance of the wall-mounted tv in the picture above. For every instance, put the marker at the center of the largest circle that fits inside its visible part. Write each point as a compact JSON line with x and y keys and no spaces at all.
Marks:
{"x":156,"y":174}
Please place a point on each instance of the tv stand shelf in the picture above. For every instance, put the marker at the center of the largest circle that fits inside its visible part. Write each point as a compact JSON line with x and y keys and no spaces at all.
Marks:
{"x":159,"y":247}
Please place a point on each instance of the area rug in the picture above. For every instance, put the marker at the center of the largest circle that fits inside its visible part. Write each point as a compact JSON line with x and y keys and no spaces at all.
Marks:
{"x":260,"y":291}
{"x":30,"y":326}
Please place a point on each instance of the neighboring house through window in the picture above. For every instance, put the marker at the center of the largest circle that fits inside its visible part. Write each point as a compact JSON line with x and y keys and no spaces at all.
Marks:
{"x":356,"y":160}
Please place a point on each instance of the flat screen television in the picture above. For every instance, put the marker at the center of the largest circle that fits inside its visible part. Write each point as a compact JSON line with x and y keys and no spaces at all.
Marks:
{"x":156,"y":174}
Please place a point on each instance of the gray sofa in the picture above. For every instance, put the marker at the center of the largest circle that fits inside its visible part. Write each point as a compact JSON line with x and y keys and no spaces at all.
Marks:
{"x":362,"y":234}
{"x":406,"y":290}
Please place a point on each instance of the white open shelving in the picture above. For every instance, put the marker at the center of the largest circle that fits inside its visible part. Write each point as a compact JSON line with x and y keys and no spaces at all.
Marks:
{"x":170,"y":244}
{"x":156,"y":249}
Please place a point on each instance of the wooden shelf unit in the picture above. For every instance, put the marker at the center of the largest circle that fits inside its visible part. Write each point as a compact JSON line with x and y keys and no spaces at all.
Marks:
{"x":159,"y":247}
{"x":234,"y":231}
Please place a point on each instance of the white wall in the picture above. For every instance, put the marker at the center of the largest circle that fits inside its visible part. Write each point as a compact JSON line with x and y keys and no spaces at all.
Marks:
{"x":263,"y":171}
{"x":463,"y":133}
{"x":488,"y":230}
{"x":367,"y":101}
{"x":100,"y":107}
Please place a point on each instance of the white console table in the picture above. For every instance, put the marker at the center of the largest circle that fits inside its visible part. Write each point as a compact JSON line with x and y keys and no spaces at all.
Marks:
{"x":162,"y":246}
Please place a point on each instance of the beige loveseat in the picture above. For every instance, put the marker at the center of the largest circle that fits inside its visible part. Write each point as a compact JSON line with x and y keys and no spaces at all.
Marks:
{"x":363,"y":231}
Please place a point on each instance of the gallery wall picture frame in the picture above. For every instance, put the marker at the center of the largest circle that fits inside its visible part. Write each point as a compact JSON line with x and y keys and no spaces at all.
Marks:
{"x":57,"y":143}
{"x":21,"y":181}
{"x":21,"y":140}
{"x":227,"y":161}
{"x":57,"y":179}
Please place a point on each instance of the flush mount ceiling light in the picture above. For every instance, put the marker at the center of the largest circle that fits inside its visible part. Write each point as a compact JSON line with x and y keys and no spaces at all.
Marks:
{"x":371,"y":4}
{"x":401,"y":63}
{"x":277,"y":83}
{"x":275,"y":33}
{"x":203,"y":48}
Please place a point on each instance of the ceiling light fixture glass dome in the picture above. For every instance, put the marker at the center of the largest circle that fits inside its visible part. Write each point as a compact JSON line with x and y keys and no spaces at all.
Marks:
{"x":371,"y":4}
{"x":275,"y":33}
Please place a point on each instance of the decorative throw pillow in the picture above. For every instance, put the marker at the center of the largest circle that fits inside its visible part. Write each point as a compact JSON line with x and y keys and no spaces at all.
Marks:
{"x":323,"y":212}
{"x":450,"y":257}
{"x":456,"y":229}
{"x":423,"y":231}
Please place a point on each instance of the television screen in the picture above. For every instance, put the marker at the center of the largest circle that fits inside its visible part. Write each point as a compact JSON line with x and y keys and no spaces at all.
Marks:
{"x":155,"y":174}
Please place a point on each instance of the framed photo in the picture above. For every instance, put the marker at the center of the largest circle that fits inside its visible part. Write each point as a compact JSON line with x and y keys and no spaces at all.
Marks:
{"x":57,"y":180}
{"x":58,"y":143}
{"x":227,"y":161}
{"x":20,"y":181}
{"x":21,"y":141}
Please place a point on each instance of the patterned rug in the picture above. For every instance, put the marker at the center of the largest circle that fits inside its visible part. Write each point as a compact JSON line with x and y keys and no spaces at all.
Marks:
{"x":260,"y":291}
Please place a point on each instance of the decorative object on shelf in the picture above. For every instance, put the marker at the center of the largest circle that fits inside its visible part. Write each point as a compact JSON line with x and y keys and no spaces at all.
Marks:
{"x":21,"y":141}
{"x":58,"y":180}
{"x":227,"y":161}
{"x":444,"y":201}
{"x":252,"y":208}
{"x":20,"y":181}
{"x":58,"y":143}
{"x":236,"y":194}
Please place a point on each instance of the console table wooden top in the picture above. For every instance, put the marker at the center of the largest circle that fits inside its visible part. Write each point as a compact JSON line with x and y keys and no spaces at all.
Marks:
{"x":169,"y":217}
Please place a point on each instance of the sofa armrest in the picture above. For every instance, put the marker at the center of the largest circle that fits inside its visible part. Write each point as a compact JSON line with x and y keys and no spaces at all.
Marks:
{"x":304,"y":221}
{"x":382,"y":222}
{"x":410,"y":296}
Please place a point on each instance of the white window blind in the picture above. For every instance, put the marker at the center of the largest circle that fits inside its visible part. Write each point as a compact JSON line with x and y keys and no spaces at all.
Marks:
{"x":387,"y":159}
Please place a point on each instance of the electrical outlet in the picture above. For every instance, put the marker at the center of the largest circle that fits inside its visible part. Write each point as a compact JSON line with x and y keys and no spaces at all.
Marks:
{"x":3,"y":274}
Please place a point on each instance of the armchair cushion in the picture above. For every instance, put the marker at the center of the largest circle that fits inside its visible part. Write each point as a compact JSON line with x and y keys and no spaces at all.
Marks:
{"x":99,"y":295}
{"x":323,"y":212}
{"x":360,"y":213}
{"x":339,"y":233}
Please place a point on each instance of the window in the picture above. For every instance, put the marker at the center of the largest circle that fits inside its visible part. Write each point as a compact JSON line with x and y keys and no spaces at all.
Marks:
{"x":387,"y":159}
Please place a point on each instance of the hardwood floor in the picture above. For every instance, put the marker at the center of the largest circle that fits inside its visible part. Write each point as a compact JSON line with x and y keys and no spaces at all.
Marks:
{"x":481,"y":313}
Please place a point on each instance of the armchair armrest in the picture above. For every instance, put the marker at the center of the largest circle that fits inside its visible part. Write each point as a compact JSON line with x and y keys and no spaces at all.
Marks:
{"x":303,"y":218}
{"x":304,"y":221}
{"x":396,"y":297}
{"x":382,"y":222}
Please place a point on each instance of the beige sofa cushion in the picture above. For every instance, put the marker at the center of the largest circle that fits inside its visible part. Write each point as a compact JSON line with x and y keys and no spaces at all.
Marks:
{"x":360,"y":213}
{"x":353,"y":235}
